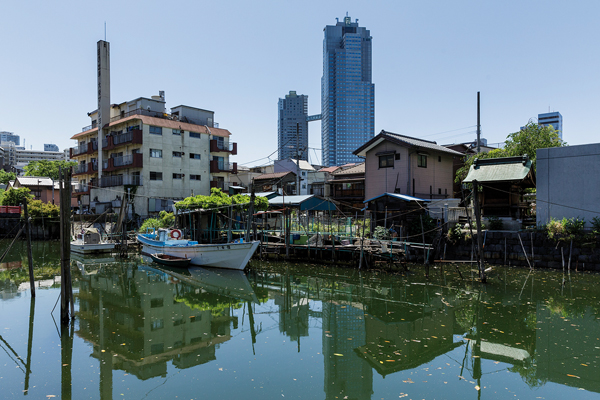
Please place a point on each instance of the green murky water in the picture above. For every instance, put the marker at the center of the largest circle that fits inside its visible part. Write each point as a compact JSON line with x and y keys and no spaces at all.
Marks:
{"x":296,"y":331}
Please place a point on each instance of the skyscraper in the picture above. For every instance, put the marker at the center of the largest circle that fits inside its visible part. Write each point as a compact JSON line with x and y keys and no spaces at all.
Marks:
{"x":347,"y":93}
{"x":552,"y":118}
{"x":10,"y":137}
{"x":292,"y":126}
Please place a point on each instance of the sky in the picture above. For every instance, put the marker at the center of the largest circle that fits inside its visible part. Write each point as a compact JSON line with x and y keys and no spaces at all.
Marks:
{"x":237,"y":58}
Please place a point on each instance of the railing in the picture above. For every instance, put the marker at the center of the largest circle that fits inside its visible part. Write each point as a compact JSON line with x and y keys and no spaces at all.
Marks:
{"x":220,"y":185}
{"x":80,"y":188}
{"x":140,"y":111}
{"x":455,"y":212}
{"x":221,"y":166}
{"x":216,"y":146}
{"x":123,"y":160}
{"x":87,"y":128}
{"x":123,"y":138}
{"x":80,"y":169}
{"x":77,"y":150}
{"x":120,"y":180}
{"x":319,"y":191}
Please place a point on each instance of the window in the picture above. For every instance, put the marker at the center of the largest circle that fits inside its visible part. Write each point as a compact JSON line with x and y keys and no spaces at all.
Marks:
{"x":177,"y":132}
{"x":195,"y":156}
{"x":439,"y":158}
{"x":177,"y":154}
{"x":421,"y":161}
{"x":195,"y":177}
{"x":177,"y":176}
{"x":439,"y":190}
{"x":155,"y":153}
{"x":133,"y":128}
{"x":397,"y":156}
{"x":195,"y":135}
{"x":155,"y":176}
{"x":155,"y":303}
{"x":157,"y":324}
{"x":386,"y":161}
{"x":155,"y":130}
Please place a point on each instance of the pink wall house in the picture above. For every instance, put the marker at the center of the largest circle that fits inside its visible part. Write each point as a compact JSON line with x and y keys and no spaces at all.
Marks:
{"x":406,"y":165}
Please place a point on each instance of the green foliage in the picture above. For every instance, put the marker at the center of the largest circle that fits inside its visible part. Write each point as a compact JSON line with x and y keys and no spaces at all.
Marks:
{"x":525,"y":141}
{"x":218,"y":199}
{"x":566,"y":229}
{"x":414,"y":229}
{"x":48,"y":168}
{"x":6,"y":177}
{"x":455,"y":234}
{"x":15,"y":197}
{"x":495,"y":223}
{"x":381,"y":233}
{"x":164,"y":220}
{"x":596,"y":225}
{"x":39,"y":209}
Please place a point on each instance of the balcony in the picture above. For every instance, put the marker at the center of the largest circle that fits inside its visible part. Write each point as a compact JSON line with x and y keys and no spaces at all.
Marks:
{"x":89,"y":168}
{"x":86,"y":148}
{"x":87,"y":128}
{"x":217,"y":166}
{"x":121,"y":180}
{"x":128,"y":161}
{"x":216,"y":147}
{"x":115,"y":140}
{"x":224,"y":186}
{"x":81,"y":188}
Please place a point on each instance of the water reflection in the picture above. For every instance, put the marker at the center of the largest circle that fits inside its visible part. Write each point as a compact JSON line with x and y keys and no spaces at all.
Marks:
{"x":440,"y":337}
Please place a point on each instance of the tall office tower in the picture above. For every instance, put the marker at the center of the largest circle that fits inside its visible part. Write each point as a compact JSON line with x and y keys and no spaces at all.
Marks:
{"x":552,"y":118}
{"x":10,"y":137}
{"x":347,"y":93}
{"x":292,"y":126}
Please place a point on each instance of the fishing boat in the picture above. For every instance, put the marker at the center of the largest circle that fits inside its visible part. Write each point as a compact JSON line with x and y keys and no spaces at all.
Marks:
{"x":223,"y":255}
{"x":89,"y":241}
{"x":170,"y":261}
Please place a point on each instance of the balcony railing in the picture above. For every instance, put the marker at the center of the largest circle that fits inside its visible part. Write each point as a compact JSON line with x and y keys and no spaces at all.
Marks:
{"x":218,"y":166}
{"x":115,"y":140}
{"x":80,"y":169}
{"x":217,"y":147}
{"x":220,"y":185}
{"x":80,"y":188}
{"x":87,"y":128}
{"x":128,"y":161}
{"x":86,"y":148}
{"x":120,"y":180}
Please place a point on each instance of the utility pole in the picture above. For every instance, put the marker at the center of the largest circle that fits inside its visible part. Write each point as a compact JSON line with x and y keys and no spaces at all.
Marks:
{"x":478,"y":127}
{"x":297,"y":159}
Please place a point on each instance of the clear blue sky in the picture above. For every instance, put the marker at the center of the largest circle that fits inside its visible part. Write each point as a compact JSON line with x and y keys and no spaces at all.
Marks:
{"x":238,"y":58}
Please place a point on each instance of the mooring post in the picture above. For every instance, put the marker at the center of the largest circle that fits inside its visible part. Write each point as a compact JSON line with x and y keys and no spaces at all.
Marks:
{"x":29,"y":255}
{"x":479,"y":238}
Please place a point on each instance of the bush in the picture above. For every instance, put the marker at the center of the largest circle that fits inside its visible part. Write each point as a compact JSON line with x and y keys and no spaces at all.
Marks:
{"x":495,"y":223}
{"x":164,"y":220}
{"x":596,"y":225}
{"x":455,"y":234}
{"x":566,"y":229}
{"x":381,"y":233}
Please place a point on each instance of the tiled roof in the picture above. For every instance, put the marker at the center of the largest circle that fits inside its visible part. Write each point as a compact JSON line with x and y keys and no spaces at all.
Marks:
{"x":328,"y":169}
{"x":274,"y":175}
{"x":403,"y":140}
{"x":165,"y":123}
{"x":357,"y":169}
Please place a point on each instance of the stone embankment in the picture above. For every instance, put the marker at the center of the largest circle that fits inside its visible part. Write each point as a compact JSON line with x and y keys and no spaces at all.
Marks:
{"x":542,"y":252}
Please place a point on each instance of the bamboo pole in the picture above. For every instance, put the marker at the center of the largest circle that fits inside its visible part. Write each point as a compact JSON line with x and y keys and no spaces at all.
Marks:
{"x":29,"y":255}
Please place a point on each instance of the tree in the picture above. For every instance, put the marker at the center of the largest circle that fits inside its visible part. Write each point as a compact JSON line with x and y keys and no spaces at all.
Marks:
{"x":525,"y":141}
{"x":47,"y":168}
{"x":6,"y":177}
{"x":15,"y":197}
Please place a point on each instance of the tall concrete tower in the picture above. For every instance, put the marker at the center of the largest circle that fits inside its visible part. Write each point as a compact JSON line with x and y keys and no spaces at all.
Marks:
{"x":103,"y":97}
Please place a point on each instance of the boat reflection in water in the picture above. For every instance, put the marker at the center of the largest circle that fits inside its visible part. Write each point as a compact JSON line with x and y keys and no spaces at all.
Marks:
{"x":140,"y":317}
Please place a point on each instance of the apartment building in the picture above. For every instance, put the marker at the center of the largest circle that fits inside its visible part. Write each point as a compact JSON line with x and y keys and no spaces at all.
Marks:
{"x":159,"y":157}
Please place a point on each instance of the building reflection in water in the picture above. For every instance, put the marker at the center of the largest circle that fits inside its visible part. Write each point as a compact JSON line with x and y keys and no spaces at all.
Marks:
{"x":139,"y":319}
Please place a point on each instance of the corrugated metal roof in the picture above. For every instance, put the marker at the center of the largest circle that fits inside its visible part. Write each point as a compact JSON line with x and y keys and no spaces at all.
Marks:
{"x":499,"y":170}
{"x":396,"y":196}
{"x":273,"y":175}
{"x":280,"y":200}
{"x":34,"y":181}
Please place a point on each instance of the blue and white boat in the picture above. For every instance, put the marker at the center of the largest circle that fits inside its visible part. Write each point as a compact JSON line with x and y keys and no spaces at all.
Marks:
{"x":227,"y":255}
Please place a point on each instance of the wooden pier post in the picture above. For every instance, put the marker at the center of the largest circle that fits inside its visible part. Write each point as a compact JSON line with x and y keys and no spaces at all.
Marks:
{"x":66,"y":289}
{"x":479,"y":241}
{"x":29,"y":255}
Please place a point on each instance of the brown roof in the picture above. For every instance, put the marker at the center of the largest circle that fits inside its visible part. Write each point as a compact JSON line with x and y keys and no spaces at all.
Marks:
{"x":273,"y":176}
{"x":358,"y":169}
{"x":165,"y":123}
{"x":328,"y":169}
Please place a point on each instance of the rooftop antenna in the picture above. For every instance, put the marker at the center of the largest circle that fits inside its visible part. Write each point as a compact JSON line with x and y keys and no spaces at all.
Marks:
{"x":105,"y":31}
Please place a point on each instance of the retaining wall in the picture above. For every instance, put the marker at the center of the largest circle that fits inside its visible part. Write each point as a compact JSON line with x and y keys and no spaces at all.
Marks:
{"x":546,"y":252}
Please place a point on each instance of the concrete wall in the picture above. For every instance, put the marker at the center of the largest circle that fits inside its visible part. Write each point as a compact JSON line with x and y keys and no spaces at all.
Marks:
{"x":568,"y":183}
{"x":438,"y":174}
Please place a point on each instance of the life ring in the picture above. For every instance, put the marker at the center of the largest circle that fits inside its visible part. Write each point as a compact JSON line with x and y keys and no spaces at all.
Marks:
{"x":175,"y":234}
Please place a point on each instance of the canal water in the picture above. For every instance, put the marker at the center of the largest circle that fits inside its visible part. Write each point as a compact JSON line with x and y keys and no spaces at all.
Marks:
{"x":296,"y":331}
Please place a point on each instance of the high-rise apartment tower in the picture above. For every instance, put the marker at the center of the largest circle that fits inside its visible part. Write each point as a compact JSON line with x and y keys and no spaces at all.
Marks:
{"x":292,"y":127}
{"x":347,"y":93}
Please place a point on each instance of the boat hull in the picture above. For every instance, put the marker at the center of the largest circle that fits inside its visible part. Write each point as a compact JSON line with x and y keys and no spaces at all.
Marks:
{"x":88,"y":248}
{"x":229,"y":255}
